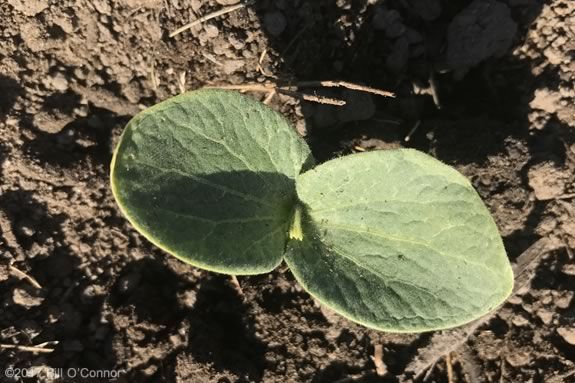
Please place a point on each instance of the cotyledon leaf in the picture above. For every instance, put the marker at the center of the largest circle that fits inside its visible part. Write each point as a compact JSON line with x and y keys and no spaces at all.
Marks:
{"x":398,"y":241}
{"x":209,"y":176}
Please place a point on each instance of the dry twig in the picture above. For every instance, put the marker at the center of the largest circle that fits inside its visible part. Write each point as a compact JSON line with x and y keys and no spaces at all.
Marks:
{"x":207,"y":17}
{"x":237,"y":285}
{"x":449,"y":366}
{"x":269,"y":87}
{"x":313,"y":98}
{"x":412,"y":131}
{"x":22,"y":275}
{"x":345,"y":84}
{"x":36,"y":349}
{"x":260,"y":62}
{"x":288,"y":89}
{"x":377,"y":358}
{"x":269,"y":97}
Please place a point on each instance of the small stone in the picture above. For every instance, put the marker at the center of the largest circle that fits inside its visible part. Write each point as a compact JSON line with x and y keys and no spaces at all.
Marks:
{"x":52,"y":123}
{"x":545,"y":315}
{"x":518,"y":359}
{"x":29,"y":7}
{"x":568,"y":334}
{"x":188,"y":298}
{"x":227,"y":2}
{"x":568,"y":269}
{"x":211,"y":30}
{"x":546,"y":181}
{"x":231,"y":66}
{"x":59,"y":82}
{"x":520,"y":321}
{"x":515,"y":300}
{"x":275,"y":23}
{"x":546,"y":100}
{"x":24,"y":298}
{"x":236,"y":42}
{"x":563,"y":299}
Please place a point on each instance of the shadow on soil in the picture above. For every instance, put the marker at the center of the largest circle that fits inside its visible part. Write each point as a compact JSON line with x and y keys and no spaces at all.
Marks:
{"x":461,"y":95}
{"x":205,"y":320}
{"x":10,"y":90}
{"x":453,"y":101}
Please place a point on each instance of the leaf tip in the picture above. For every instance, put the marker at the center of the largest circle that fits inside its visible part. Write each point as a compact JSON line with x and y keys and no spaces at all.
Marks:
{"x":295,"y":231}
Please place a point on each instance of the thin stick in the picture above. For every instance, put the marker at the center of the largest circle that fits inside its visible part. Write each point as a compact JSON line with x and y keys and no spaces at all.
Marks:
{"x":265,"y":87}
{"x":211,"y":59}
{"x":207,"y":17}
{"x":237,"y":285}
{"x":260,"y":67}
{"x":434,"y":91}
{"x":268,"y":87}
{"x":313,"y":98}
{"x":502,"y":371}
{"x":23,"y":275}
{"x":269,"y":97}
{"x":25,"y":348}
{"x":347,"y":85}
{"x":154,"y":78}
{"x":412,"y":131}
{"x":182,"y":82}
{"x":448,"y":364}
{"x":377,"y":358}
{"x":569,"y":251}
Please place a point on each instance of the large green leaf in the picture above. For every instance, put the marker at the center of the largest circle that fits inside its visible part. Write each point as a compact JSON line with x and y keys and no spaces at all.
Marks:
{"x":208,"y":176}
{"x":398,"y":241}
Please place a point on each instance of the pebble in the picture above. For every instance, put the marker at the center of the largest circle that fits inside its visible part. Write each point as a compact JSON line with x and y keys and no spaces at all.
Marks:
{"x":568,"y":334}
{"x":563,"y":299}
{"x":520,"y":321}
{"x":568,"y":269}
{"x":545,"y":315}
{"x":211,"y":30}
{"x":24,"y":298}
{"x":546,"y":181}
{"x":188,"y":298}
{"x":231,"y":66}
{"x":236,"y":42}
{"x":546,"y":100}
{"x":518,"y":359}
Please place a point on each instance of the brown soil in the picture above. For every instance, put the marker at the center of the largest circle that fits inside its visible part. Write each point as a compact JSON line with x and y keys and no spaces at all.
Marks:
{"x":72,"y":73}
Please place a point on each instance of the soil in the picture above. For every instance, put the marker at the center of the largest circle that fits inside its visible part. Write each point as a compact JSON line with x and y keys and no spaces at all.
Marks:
{"x":486,"y":86}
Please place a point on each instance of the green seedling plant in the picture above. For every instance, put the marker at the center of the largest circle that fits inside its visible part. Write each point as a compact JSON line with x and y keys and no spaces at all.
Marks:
{"x":394,"y":240}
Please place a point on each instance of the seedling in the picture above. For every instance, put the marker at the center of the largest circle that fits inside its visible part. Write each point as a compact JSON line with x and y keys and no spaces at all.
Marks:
{"x":394,"y":240}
